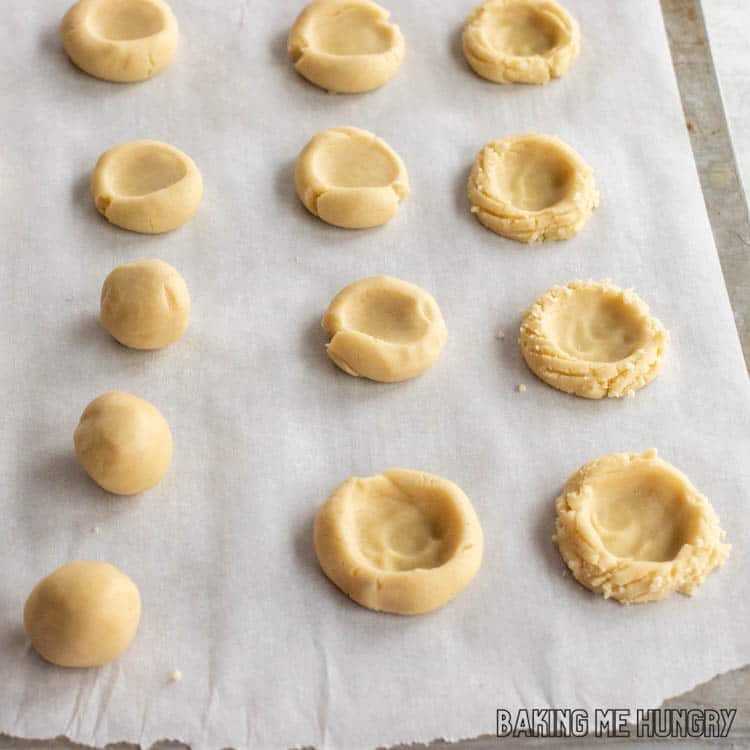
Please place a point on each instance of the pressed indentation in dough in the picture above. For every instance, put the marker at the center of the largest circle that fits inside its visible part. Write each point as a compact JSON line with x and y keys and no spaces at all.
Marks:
{"x":145,"y":169}
{"x":520,"y":31}
{"x":530,"y":176}
{"x":354,"y":162}
{"x":121,"y":20}
{"x":645,"y":516}
{"x":595,"y":327}
{"x":350,"y":31}
{"x":395,"y":533}
{"x":387,"y":315}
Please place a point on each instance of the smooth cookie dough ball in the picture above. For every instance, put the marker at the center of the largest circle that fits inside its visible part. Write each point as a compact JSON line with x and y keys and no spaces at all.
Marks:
{"x":532,"y":187}
{"x":593,"y":339}
{"x":120,"y":40}
{"x":402,"y":541}
{"x":350,"y":178}
{"x":384,"y":329}
{"x":345,"y":46}
{"x":521,"y":41}
{"x":632,"y":527}
{"x":145,"y":305}
{"x":146,"y":186}
{"x":123,"y":442}
{"x":83,"y":615}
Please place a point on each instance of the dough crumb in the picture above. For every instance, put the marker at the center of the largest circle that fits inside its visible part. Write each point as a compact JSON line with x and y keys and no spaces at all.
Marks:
{"x":500,"y":334}
{"x":175,"y":675}
{"x":522,"y":388}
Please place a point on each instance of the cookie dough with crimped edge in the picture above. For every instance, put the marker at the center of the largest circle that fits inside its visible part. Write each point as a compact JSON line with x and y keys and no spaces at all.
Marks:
{"x":402,"y":541}
{"x":521,"y":41}
{"x":531,"y":187}
{"x":350,"y":178}
{"x":345,"y":46}
{"x":632,"y":527}
{"x":593,"y":339}
{"x":384,"y":329}
{"x":146,"y":186}
{"x":120,"y":40}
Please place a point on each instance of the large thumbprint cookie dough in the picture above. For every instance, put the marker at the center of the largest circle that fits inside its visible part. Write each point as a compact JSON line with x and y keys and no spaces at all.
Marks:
{"x":593,"y":339}
{"x":402,"y":541}
{"x":120,"y":40}
{"x":146,"y":186}
{"x":145,"y":304}
{"x":84,"y":614}
{"x":123,"y":442}
{"x":384,"y":329}
{"x":633,"y":527}
{"x":532,"y":187}
{"x":350,"y":178}
{"x":345,"y":46}
{"x":521,"y":41}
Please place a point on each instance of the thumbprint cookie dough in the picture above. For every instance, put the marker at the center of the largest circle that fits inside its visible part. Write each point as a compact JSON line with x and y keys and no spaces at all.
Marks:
{"x":632,"y":527}
{"x":593,"y":339}
{"x":84,"y":614}
{"x":120,"y":40}
{"x":532,"y":187}
{"x":521,"y":41}
{"x":345,"y":46}
{"x":145,"y":305}
{"x":350,"y":178}
{"x":402,"y":541}
{"x":384,"y":329}
{"x":146,"y":186}
{"x":123,"y":442}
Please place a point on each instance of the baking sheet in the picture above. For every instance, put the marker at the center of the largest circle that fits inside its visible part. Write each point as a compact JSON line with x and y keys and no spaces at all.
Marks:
{"x":272,"y":655}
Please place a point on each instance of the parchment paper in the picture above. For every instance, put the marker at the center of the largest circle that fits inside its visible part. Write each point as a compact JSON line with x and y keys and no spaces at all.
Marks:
{"x":273,"y":656}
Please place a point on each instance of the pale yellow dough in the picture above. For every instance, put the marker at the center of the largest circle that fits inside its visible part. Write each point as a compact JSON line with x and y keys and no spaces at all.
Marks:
{"x":123,"y":442}
{"x":146,"y":186}
{"x":384,"y":329}
{"x":345,"y":46}
{"x":120,"y":40}
{"x":402,"y":541}
{"x":350,"y":178}
{"x":593,"y":339}
{"x":84,"y":614}
{"x":145,"y":305}
{"x":532,"y":187}
{"x":521,"y":41}
{"x":632,"y":527}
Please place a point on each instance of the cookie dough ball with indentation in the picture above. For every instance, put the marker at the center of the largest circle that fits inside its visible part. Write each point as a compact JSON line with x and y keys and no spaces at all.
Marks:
{"x":632,"y":527}
{"x":345,"y":46}
{"x":120,"y":40}
{"x":532,"y":187}
{"x":84,"y":614}
{"x":384,"y":329}
{"x":521,"y":41}
{"x":593,"y":339}
{"x":145,"y":305}
{"x":402,"y":541}
{"x":123,"y":442}
{"x":146,"y":186}
{"x":350,"y":178}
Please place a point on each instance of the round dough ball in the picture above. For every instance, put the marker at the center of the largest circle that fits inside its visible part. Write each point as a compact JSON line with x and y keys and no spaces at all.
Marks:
{"x":384,"y":329}
{"x":532,"y":187}
{"x":83,"y":615}
{"x":146,"y":186}
{"x":123,"y":442}
{"x":632,"y":527}
{"x":521,"y":41}
{"x":120,"y":40}
{"x":345,"y":46}
{"x":402,"y":541}
{"x":593,"y":339}
{"x":350,"y":178}
{"x":145,"y":305}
